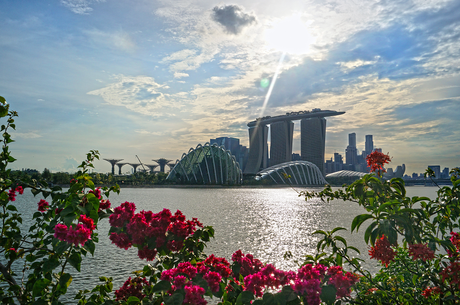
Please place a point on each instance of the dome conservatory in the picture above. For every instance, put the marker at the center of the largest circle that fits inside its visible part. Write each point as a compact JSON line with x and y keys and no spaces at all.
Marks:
{"x":207,"y":164}
{"x":344,"y":176}
{"x":294,"y":173}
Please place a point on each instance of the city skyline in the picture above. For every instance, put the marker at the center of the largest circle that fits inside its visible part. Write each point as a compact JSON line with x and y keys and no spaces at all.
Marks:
{"x":154,"y":78}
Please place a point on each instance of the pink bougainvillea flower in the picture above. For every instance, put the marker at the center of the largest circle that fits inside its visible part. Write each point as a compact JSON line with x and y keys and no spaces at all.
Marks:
{"x":88,"y":222}
{"x":20,"y":190}
{"x":43,"y":205}
{"x":132,"y":287}
{"x":96,"y":192}
{"x":12,"y":194}
{"x":105,"y":204}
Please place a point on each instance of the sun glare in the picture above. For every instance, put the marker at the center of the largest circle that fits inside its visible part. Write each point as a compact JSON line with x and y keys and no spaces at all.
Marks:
{"x":290,"y":35}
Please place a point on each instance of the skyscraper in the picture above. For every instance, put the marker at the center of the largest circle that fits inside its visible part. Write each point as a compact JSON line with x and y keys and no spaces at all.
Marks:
{"x":369,"y":145}
{"x":258,"y":148}
{"x":281,"y":134}
{"x":233,"y":145}
{"x":313,"y":141}
{"x":313,"y":136}
{"x":351,"y":153}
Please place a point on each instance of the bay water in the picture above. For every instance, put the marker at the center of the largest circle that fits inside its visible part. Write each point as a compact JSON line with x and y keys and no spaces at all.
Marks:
{"x":265,"y":222}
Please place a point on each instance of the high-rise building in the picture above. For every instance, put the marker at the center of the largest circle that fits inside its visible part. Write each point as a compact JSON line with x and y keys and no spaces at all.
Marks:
{"x":352,"y":140}
{"x":313,"y":136}
{"x":445,"y":173}
{"x":369,"y":145}
{"x":436,"y":169}
{"x":233,"y":145}
{"x":258,"y":148}
{"x":313,"y":141}
{"x":351,"y":153}
{"x":281,"y":134}
{"x":338,"y":162}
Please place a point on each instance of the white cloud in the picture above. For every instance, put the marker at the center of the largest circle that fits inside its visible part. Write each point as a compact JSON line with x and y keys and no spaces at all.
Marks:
{"x":140,"y":94}
{"x":180,"y":75}
{"x":153,"y":133}
{"x":119,"y":40}
{"x":350,"y":65}
{"x":81,"y":7}
{"x":26,"y":135}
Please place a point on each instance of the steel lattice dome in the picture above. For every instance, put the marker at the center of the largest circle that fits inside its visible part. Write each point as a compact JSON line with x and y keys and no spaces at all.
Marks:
{"x":207,"y":164}
{"x":294,"y":173}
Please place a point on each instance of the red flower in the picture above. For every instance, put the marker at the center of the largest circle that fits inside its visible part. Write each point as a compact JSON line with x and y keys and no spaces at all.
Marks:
{"x":431,"y":291}
{"x":105,"y":204}
{"x":376,"y":160}
{"x":43,"y":205}
{"x":96,"y":192}
{"x":20,"y":190}
{"x":382,"y":251}
{"x":12,"y":195}
{"x":132,"y":287}
{"x":421,"y":251}
{"x":88,"y":222}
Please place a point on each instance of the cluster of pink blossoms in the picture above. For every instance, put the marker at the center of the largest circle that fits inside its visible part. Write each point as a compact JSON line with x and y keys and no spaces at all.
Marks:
{"x":43,"y":205}
{"x":267,"y":277}
{"x":162,"y":229}
{"x":12,"y":193}
{"x":75,"y":234}
{"x":132,"y":287}
{"x":213,"y":269}
{"x":258,"y":278}
{"x":96,"y":192}
{"x":452,"y":272}
{"x":248,"y":264}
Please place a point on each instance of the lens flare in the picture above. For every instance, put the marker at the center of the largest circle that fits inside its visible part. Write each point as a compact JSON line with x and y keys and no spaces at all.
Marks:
{"x":264,"y":82}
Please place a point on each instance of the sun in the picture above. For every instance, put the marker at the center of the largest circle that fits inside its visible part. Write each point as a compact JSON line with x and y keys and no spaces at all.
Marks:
{"x":290,"y":35}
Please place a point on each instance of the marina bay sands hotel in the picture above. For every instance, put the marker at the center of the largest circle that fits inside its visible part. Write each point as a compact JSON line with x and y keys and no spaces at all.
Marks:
{"x":312,"y":139}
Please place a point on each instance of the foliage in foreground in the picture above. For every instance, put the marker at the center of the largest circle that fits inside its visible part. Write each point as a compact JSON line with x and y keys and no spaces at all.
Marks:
{"x":414,"y":238}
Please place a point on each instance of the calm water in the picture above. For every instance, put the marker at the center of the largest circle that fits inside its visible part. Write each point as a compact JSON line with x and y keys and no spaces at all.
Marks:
{"x":265,"y":222}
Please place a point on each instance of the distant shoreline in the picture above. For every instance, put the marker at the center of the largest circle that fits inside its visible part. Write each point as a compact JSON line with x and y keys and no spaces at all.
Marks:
{"x":201,"y":186}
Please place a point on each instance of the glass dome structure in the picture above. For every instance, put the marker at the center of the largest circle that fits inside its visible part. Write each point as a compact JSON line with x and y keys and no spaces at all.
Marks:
{"x":344,"y":176}
{"x":293,"y":173}
{"x":206,"y":164}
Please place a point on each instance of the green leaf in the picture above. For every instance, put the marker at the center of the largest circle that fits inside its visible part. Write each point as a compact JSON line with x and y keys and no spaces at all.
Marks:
{"x":245,"y":297}
{"x":90,"y":246}
{"x":64,"y":282}
{"x":341,"y":239}
{"x":176,"y":299}
{"x":75,"y":260}
{"x":161,"y":286}
{"x":39,"y":287}
{"x":337,"y":229}
{"x":12,"y":208}
{"x":328,"y":294}
{"x":368,"y":232}
{"x":269,"y":299}
{"x":50,"y":265}
{"x":358,"y":221}
{"x":338,"y":260}
{"x":320,"y":232}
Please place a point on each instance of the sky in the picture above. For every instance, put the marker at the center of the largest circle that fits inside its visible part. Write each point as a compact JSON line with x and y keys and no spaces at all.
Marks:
{"x":153,"y":79}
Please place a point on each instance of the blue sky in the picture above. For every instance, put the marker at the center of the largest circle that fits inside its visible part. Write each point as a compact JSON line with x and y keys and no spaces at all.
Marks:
{"x":154,"y":78}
